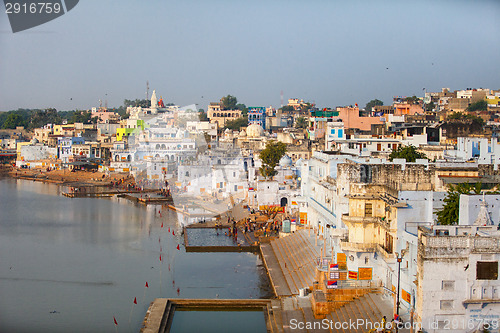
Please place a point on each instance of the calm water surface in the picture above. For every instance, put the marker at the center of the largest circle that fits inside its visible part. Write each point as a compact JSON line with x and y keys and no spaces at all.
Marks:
{"x":219,"y":321}
{"x":71,"y":265}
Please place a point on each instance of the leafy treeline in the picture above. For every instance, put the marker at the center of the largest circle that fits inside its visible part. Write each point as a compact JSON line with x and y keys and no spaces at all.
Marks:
{"x":448,"y":215}
{"x":35,"y":118}
{"x":463,"y":116}
{"x":230,"y":102}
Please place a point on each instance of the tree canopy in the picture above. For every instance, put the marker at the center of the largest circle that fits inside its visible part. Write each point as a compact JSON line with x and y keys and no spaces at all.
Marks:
{"x":83,"y":117}
{"x":270,"y":158}
{"x":412,"y":100}
{"x":143,"y":103}
{"x":236,"y":124}
{"x":13,"y":120}
{"x":463,"y":116}
{"x":287,"y":108}
{"x":372,"y":103}
{"x":448,"y":215}
{"x":409,"y":153}
{"x":243,"y":108}
{"x":430,"y":106}
{"x":228,"y":103}
{"x":481,"y":105}
{"x":202,"y":115}
{"x":301,"y":122}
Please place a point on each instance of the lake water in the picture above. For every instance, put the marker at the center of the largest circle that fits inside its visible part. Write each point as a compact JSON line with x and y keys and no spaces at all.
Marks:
{"x":213,"y":237}
{"x":71,"y":265}
{"x":220,"y":321}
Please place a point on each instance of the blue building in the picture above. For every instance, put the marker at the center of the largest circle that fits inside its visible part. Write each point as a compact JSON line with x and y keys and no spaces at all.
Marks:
{"x":64,"y":145}
{"x":257,"y":115}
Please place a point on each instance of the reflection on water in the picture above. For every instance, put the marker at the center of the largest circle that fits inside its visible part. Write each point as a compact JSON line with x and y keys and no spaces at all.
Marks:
{"x":213,"y":237}
{"x":72,"y":264}
{"x":218,"y":321}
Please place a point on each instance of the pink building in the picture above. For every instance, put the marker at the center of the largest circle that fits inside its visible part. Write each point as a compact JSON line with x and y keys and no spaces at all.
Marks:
{"x":105,"y":116}
{"x":350,"y":117}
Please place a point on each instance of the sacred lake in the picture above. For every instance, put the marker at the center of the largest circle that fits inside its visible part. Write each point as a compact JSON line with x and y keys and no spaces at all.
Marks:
{"x":73,"y":265}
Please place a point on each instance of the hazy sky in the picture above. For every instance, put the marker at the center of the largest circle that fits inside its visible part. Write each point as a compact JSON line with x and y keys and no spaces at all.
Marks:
{"x":327,"y":52}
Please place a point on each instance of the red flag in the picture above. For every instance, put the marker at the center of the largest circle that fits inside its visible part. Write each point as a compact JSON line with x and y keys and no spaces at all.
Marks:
{"x":178,"y":248}
{"x":135,"y":300}
{"x":116,"y":323}
{"x":160,"y":257}
{"x":168,"y":229}
{"x":173,"y":233}
{"x":162,"y":224}
{"x":147,"y":285}
{"x":159,"y":240}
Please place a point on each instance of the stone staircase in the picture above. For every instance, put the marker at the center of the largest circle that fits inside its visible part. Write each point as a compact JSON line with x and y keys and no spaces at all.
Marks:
{"x":297,"y":257}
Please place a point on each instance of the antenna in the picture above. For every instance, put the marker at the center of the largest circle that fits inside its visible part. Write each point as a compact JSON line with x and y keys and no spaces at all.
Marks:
{"x":281,"y":95}
{"x":147,"y":90}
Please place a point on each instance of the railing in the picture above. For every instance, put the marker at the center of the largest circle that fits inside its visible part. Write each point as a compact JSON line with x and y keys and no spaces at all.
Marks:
{"x":358,"y":247}
{"x":315,"y":202}
{"x":360,"y":219}
{"x":473,"y":243}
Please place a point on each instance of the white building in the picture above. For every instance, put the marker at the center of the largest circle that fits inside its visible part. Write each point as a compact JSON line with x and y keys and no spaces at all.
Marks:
{"x":458,"y":286}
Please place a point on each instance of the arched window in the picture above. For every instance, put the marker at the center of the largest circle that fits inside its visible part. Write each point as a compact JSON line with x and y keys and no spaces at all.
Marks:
{"x":117,"y":158}
{"x":157,"y":146}
{"x":163,"y":146}
{"x":129,"y":158}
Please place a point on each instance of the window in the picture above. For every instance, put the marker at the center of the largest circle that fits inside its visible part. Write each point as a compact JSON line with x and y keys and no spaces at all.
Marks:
{"x":448,"y":285}
{"x":487,"y":270}
{"x":368,"y":209}
{"x":446,"y":304}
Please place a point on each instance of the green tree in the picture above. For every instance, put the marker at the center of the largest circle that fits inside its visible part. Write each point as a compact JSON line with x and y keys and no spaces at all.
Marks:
{"x":236,"y":124}
{"x":448,"y":215}
{"x":229,"y":102}
{"x":202,"y":115}
{"x":372,"y":103}
{"x":301,"y":122}
{"x":143,"y":103}
{"x":13,"y":120}
{"x":41,"y":118}
{"x":287,"y":108}
{"x":430,"y":106}
{"x":270,"y":158}
{"x":412,"y":100}
{"x":83,"y":117}
{"x":481,"y":105}
{"x":243,"y":108}
{"x":463,"y":116}
{"x":409,"y":153}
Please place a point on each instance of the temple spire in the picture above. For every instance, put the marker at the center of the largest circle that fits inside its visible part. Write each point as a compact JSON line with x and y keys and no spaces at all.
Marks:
{"x":483,"y":218}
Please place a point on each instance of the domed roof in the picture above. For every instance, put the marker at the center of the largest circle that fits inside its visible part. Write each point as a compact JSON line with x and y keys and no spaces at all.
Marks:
{"x":286,"y":161}
{"x":34,"y":141}
{"x":255,"y":131}
{"x":227,"y":130}
{"x":243,"y":133}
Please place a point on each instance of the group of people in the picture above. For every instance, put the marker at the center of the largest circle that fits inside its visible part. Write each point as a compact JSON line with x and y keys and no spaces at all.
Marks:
{"x":385,"y":327}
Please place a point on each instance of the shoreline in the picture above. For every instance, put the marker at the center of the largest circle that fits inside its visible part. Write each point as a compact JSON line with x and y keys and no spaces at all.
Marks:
{"x":65,"y":177}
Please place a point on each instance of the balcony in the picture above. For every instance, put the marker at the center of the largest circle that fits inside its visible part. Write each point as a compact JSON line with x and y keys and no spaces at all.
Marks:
{"x":358,"y":247}
{"x":360,"y":219}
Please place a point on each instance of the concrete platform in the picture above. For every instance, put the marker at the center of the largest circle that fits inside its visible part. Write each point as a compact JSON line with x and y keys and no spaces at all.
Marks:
{"x":160,"y":314}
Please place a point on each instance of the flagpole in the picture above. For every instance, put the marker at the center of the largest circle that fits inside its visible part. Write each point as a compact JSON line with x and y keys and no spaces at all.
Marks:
{"x":144,"y":295}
